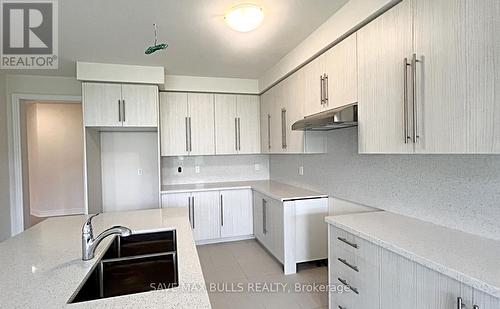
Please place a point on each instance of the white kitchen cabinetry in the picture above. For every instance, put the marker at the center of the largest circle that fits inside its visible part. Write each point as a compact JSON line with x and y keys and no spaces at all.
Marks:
{"x":187,"y":124}
{"x":236,"y":213}
{"x":341,"y":73}
{"x":216,"y":215}
{"x":281,"y":106}
{"x":313,"y":86}
{"x":384,"y":279}
{"x":237,"y":124}
{"x":120,"y":105}
{"x":427,"y":78}
{"x":293,"y":231}
{"x":383,"y":44}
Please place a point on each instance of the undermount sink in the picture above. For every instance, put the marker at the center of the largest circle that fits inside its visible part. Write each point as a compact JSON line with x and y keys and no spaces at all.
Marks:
{"x":133,"y":264}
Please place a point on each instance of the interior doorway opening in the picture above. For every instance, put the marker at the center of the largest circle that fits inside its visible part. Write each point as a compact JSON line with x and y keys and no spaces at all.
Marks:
{"x":52,"y":159}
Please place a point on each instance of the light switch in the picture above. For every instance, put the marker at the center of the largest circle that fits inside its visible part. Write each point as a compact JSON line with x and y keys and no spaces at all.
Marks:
{"x":139,"y":172}
{"x":257,"y":167}
{"x":197,"y":169}
{"x":301,"y":171}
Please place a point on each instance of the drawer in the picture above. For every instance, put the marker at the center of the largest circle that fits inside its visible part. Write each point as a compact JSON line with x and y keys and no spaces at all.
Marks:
{"x":344,"y":244}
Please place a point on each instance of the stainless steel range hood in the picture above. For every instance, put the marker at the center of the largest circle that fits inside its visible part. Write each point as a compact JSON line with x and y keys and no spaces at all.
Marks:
{"x":337,"y":118}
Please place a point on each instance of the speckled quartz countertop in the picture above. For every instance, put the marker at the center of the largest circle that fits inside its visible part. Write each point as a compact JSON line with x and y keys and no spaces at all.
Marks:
{"x":273,"y":189}
{"x":42,"y":267}
{"x":467,"y":258}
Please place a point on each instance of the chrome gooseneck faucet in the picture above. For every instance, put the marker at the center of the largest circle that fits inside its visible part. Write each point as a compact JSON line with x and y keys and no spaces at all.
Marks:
{"x":89,"y":244}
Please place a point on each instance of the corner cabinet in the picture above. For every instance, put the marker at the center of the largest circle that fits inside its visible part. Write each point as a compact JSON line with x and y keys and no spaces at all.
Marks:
{"x":216,"y":216}
{"x":120,"y":105}
{"x":427,"y":78}
{"x":187,"y":124}
{"x":378,"y":278}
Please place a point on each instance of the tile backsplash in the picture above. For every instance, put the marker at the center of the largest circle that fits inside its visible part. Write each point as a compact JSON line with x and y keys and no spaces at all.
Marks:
{"x":214,"y":169}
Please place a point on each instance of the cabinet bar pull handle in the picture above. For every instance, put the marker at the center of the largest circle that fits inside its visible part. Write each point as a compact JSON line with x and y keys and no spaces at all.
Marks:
{"x":190,"y":212}
{"x":239,"y":133}
{"x":326,"y":90}
{"x":190,"y":136}
{"x":269,"y":131}
{"x":340,"y":307}
{"x":283,"y":128}
{"x":414,"y":97}
{"x":236,"y":134}
{"x":347,"y":242}
{"x":321,"y":85}
{"x":264,"y":216}
{"x":405,"y":100}
{"x":187,"y":134}
{"x":192,"y":203}
{"x":343,"y":261}
{"x":119,"y":111}
{"x":124,"y":109}
{"x":344,"y":282}
{"x":460,"y":303}
{"x":221,"y":210}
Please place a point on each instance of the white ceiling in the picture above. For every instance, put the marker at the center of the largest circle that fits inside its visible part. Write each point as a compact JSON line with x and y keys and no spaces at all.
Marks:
{"x":200,"y":43}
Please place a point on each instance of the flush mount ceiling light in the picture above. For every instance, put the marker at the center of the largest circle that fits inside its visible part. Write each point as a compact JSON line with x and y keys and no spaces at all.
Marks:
{"x":244,"y":17}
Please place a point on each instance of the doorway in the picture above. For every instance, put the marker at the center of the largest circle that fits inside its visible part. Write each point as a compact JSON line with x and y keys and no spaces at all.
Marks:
{"x":52,"y":159}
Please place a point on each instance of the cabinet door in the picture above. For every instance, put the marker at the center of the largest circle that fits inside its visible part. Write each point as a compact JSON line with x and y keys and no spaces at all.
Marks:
{"x":225,"y":124}
{"x":397,"y":281}
{"x":258,"y":219}
{"x":441,"y":101}
{"x":313,"y":72}
{"x":237,"y":213}
{"x":248,"y":107}
{"x":457,"y":76}
{"x":266,"y":103}
{"x":140,"y":105}
{"x":342,"y":72}
{"x":101,"y":104}
{"x":174,"y":123}
{"x":485,"y":301}
{"x":383,"y":45}
{"x":437,"y":291}
{"x":275,"y":228}
{"x":202,"y":124}
{"x":293,"y":101}
{"x":277,"y":141}
{"x":206,"y":215}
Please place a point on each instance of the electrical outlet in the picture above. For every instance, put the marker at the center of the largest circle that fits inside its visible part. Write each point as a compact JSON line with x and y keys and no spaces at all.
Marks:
{"x":140,"y":172}
{"x":197,"y":169}
{"x":257,"y":167}
{"x":301,"y":171}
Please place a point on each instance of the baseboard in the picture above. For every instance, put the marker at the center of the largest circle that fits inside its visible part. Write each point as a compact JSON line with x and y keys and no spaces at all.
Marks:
{"x":227,"y":239}
{"x":56,"y":212}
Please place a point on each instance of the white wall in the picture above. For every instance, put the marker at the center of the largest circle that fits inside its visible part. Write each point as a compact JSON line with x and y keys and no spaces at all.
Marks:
{"x":457,"y":191}
{"x":122,"y":155}
{"x":214,"y":169}
{"x":352,"y":14}
{"x":55,"y":158}
{"x":4,"y":165}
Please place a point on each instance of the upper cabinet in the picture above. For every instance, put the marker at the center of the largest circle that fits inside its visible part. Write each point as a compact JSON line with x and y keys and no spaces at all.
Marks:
{"x":330,"y":80}
{"x":430,"y":86}
{"x":187,"y":124}
{"x":120,"y":105}
{"x":237,"y":124}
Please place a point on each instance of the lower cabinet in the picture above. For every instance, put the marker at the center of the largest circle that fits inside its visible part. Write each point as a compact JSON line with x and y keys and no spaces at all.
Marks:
{"x":379,"y":278}
{"x":215,"y":215}
{"x":268,"y":224}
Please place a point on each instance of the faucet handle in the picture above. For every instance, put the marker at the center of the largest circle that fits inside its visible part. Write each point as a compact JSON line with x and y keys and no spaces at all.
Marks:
{"x":87,"y":226}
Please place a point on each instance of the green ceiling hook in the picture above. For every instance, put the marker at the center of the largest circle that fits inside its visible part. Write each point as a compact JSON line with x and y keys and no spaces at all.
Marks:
{"x":156,"y":46}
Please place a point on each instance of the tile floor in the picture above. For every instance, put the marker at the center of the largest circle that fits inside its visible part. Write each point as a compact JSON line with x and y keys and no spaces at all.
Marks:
{"x":243,"y":275}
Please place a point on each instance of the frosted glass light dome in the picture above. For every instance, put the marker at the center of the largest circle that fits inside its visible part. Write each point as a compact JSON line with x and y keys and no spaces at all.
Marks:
{"x":244,"y":17}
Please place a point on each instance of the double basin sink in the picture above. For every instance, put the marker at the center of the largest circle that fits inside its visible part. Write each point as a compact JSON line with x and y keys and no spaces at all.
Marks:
{"x":134,"y":264}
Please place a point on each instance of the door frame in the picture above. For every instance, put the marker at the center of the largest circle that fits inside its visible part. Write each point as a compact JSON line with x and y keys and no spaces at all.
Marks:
{"x":15,"y":153}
